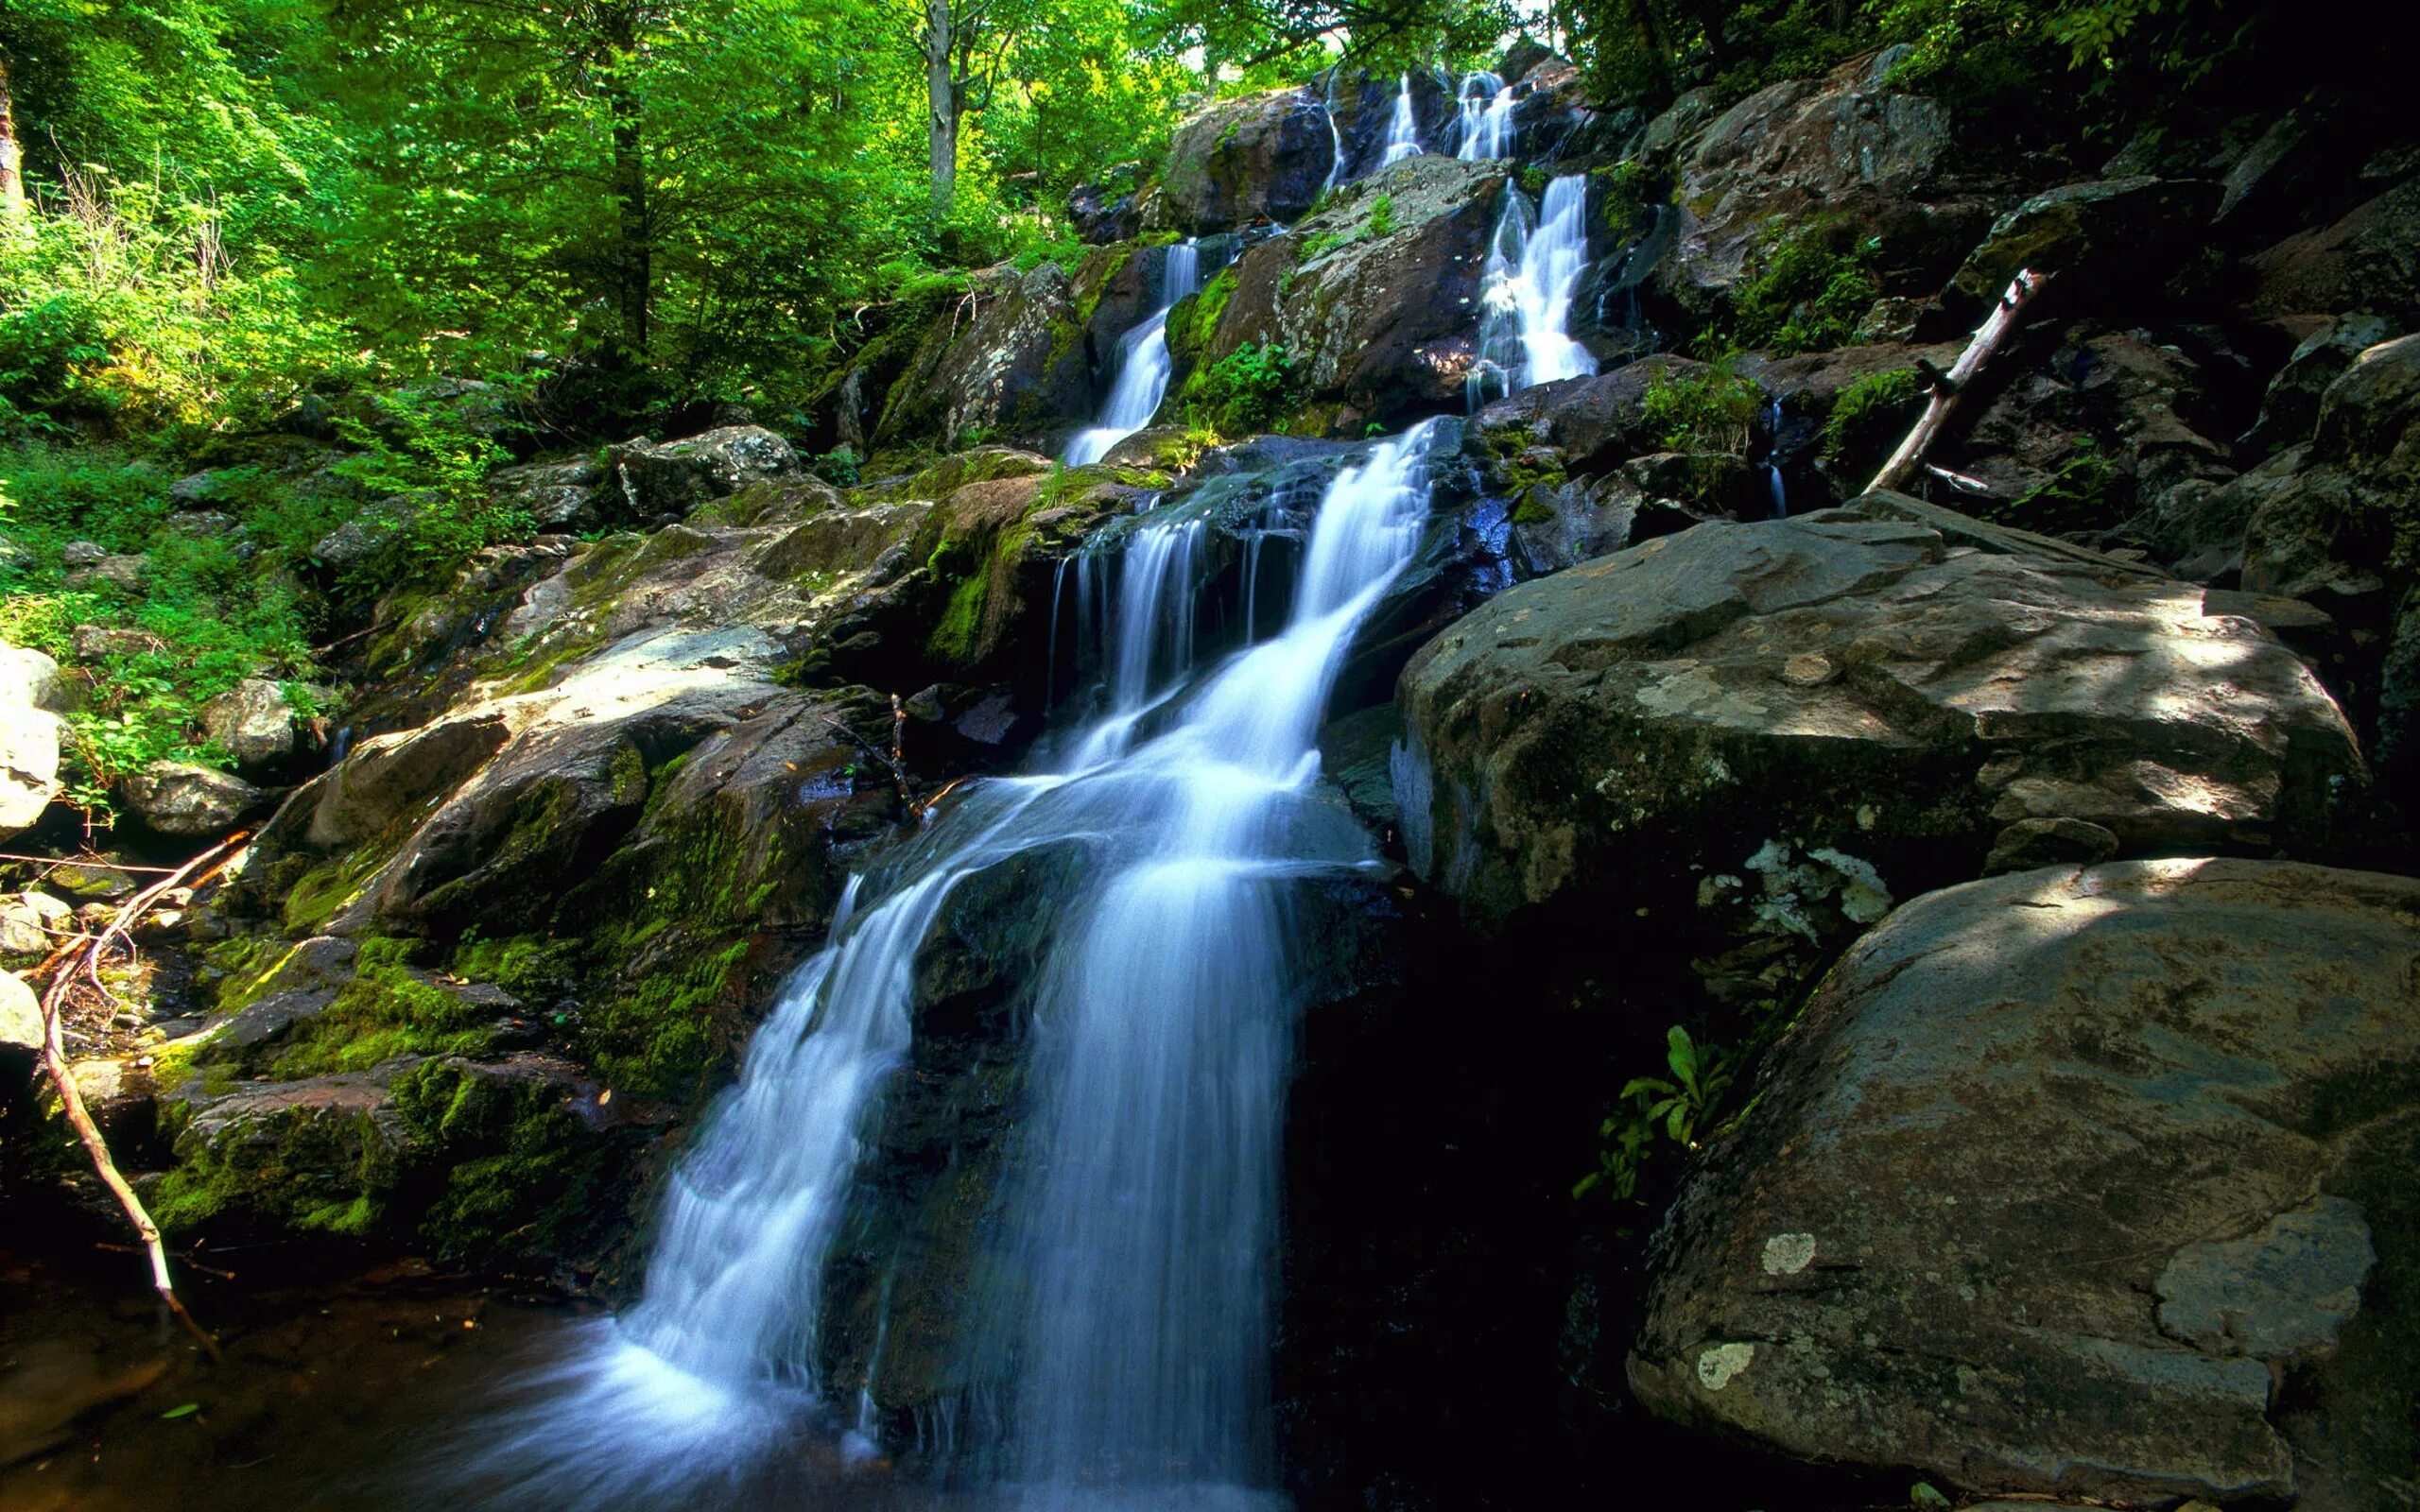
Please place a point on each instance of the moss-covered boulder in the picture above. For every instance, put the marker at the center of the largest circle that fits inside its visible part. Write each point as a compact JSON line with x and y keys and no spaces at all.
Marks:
{"x":1261,"y":157}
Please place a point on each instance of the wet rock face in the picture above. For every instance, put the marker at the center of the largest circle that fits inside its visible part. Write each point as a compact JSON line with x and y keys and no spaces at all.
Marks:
{"x":2088,"y":1182}
{"x":1781,"y":727}
{"x":1260,"y":158}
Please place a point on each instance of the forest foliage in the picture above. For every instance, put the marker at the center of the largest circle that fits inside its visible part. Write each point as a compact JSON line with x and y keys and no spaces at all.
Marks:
{"x":236,"y":232}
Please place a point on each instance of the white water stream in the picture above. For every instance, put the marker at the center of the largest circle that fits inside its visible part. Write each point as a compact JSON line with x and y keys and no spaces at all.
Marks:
{"x":1136,"y":1237}
{"x":1143,"y":364}
{"x":1402,"y":128}
{"x":1483,"y":127}
{"x":1533,"y":262}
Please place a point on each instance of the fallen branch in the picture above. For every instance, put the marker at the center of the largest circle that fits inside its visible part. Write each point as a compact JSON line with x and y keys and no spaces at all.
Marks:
{"x":1947,"y":388}
{"x":54,"y":1006}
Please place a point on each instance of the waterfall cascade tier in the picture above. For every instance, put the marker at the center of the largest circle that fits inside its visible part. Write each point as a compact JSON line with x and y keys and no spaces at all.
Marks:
{"x":1132,"y":1314}
{"x":1403,"y":128}
{"x":1143,"y":364}
{"x":1533,"y":264}
{"x":1483,"y":121}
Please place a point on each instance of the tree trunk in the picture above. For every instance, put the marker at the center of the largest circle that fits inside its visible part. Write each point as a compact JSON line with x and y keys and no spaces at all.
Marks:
{"x":940,"y":92}
{"x":634,"y":251}
{"x":1949,"y":387}
{"x":12,"y":180}
{"x":1648,"y":31}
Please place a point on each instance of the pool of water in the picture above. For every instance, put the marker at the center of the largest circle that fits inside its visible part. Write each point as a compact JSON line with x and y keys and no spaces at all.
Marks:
{"x":349,"y":1396}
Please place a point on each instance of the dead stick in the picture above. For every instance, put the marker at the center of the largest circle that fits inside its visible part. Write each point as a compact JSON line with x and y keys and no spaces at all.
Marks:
{"x":1947,"y":388}
{"x":80,"y":1118}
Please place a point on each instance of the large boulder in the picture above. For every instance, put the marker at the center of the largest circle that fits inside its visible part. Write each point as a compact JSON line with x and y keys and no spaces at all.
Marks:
{"x":28,"y":738}
{"x":186,"y":801}
{"x":1777,"y":728}
{"x":2087,"y":1183}
{"x":252,"y":722}
{"x":1006,"y":362}
{"x":2344,"y":518}
{"x":1375,"y":299}
{"x":560,"y":495}
{"x":2368,"y":259}
{"x":1262,"y":157}
{"x":2106,"y":243}
{"x":657,"y":480}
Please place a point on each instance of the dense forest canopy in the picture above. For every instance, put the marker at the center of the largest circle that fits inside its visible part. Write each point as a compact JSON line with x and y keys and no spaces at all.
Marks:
{"x":224,"y":204}
{"x":227,"y":221}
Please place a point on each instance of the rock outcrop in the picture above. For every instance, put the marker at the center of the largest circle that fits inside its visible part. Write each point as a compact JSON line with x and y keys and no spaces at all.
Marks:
{"x":2086,"y":1182}
{"x":1778,"y":728}
{"x":28,"y":738}
{"x":1374,"y":300}
{"x":1263,"y":157}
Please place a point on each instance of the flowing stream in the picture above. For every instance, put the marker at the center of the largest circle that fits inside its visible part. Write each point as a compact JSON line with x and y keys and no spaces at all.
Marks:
{"x":1143,"y":364}
{"x":1136,"y":1234}
{"x":1403,"y":128}
{"x":1483,"y":125}
{"x":1533,"y":262}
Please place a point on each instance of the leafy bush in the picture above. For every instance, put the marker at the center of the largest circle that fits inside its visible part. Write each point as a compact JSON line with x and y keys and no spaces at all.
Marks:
{"x":1867,"y":419}
{"x":1704,"y":410}
{"x":1249,"y":389}
{"x":1812,"y":284}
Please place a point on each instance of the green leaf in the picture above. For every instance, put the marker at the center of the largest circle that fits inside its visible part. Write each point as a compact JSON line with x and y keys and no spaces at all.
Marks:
{"x":183,"y":1409}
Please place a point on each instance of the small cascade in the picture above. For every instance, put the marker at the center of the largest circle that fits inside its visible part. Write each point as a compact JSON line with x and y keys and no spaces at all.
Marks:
{"x":1403,"y":128}
{"x":1334,"y":137}
{"x":1124,"y":1349}
{"x":1483,"y":127}
{"x":1533,"y":262}
{"x":1773,"y":461}
{"x":1143,"y":364}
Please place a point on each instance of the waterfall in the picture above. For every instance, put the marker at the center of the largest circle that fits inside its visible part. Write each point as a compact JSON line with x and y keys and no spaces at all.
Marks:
{"x":1137,"y":1232}
{"x":1143,"y":364}
{"x":1403,"y":131}
{"x":1533,"y":262}
{"x":1483,"y":127}
{"x":1773,"y":461}
{"x":1334,"y":137}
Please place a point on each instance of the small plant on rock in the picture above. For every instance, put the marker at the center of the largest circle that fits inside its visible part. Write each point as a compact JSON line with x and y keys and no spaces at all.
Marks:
{"x":1705,"y":409}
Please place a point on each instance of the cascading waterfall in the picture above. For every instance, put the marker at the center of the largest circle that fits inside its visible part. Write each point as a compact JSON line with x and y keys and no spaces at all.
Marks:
{"x":1143,"y":364}
{"x":1483,"y":125}
{"x":1334,"y":137}
{"x":1403,"y":128}
{"x":1139,"y":1230}
{"x":1773,"y":461}
{"x":1533,"y":264}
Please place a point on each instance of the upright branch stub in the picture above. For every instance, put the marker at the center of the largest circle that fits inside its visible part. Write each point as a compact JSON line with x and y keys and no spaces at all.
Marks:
{"x":1946,"y":388}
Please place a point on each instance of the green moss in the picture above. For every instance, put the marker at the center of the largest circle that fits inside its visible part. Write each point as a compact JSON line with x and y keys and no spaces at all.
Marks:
{"x":1252,"y":388}
{"x":331,"y":887}
{"x":384,"y":1012}
{"x":526,"y":966}
{"x":304,"y":1167}
{"x":1532,"y":510}
{"x":958,"y":631}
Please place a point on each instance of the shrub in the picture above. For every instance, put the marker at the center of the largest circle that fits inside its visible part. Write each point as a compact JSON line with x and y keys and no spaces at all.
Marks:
{"x":1810,"y":287}
{"x":1249,"y":389}
{"x":1867,"y":419}
{"x":1704,"y":410}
